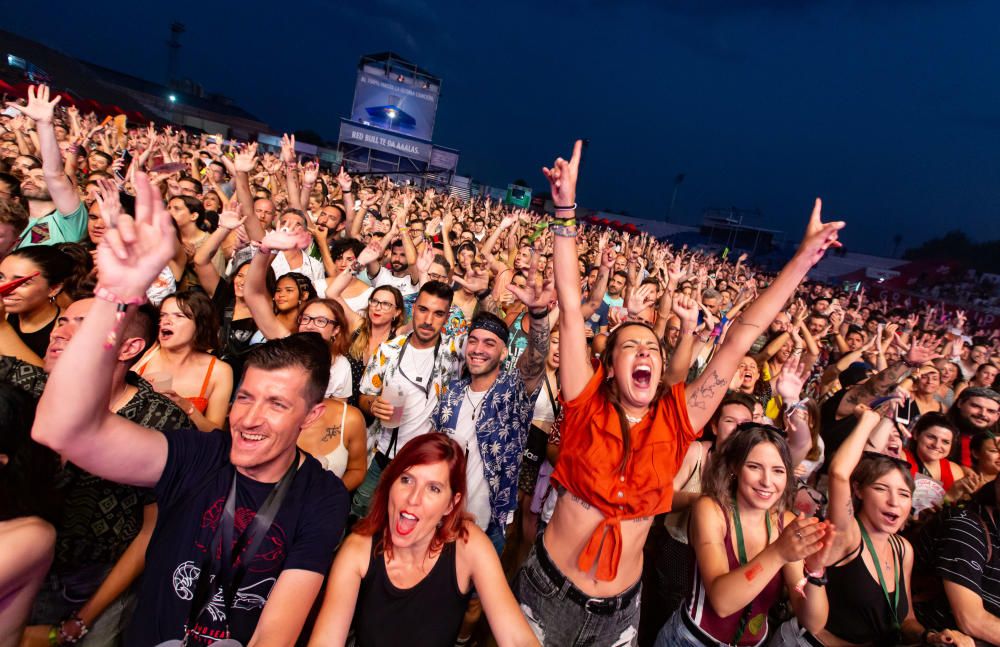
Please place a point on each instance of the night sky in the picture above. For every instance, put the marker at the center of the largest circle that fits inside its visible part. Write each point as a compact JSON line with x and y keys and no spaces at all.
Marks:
{"x":888,"y":109}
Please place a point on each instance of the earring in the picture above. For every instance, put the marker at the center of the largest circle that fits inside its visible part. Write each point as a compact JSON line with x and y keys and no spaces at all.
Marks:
{"x":52,"y":298}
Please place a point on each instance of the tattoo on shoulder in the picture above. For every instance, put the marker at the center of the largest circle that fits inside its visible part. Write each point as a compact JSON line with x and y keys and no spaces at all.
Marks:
{"x":700,"y":396}
{"x":331,"y":432}
{"x":586,"y":506}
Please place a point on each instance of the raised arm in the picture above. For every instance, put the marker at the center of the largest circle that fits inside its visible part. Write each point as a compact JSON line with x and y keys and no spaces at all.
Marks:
{"x":291,"y":165}
{"x":789,"y":385}
{"x":537,"y":298}
{"x":574,"y":357}
{"x":73,"y":416}
{"x":705,"y":393}
{"x":841,"y":508}
{"x":601,"y":284}
{"x":40,"y":109}
{"x":244,"y":163}
{"x":686,"y":310}
{"x":204,"y":268}
{"x":258,"y":300}
{"x":347,"y":196}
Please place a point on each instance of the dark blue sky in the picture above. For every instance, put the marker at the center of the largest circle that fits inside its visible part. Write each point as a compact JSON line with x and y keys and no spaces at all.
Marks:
{"x":888,"y":109}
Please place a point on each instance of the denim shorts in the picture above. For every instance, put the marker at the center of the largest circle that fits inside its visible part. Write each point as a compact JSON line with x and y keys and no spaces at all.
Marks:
{"x":562,"y":615}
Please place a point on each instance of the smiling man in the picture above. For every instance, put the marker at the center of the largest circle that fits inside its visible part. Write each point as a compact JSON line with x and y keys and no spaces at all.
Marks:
{"x":247,"y":523}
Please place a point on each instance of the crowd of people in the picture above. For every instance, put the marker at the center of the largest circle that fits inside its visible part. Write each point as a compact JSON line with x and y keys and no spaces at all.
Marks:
{"x":245,"y":400}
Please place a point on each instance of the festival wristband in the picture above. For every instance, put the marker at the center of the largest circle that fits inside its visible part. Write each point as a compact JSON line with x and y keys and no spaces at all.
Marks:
{"x":569,"y":208}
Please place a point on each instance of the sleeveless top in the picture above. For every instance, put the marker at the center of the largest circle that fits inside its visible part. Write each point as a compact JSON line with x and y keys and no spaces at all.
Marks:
{"x":859,"y":612}
{"x":359,"y":302}
{"x":676,"y":523}
{"x":724,"y":630}
{"x":37,"y":341}
{"x":200,"y":402}
{"x":336,"y":461}
{"x":944,"y":465}
{"x":428,"y":614}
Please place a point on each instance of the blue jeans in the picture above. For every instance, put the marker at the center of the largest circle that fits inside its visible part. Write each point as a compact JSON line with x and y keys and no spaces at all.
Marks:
{"x":561,"y":615}
{"x":497,"y":535}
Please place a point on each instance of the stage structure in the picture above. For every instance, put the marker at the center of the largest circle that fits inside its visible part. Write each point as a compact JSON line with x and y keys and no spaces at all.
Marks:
{"x":392,"y":123}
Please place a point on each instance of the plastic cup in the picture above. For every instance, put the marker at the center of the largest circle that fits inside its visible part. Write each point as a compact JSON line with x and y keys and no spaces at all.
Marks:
{"x":160,"y":382}
{"x":397,"y":399}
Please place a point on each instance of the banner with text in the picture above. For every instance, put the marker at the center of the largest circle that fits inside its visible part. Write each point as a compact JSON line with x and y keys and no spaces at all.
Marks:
{"x":358,"y":135}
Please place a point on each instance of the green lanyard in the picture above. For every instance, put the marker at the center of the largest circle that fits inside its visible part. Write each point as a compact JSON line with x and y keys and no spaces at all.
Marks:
{"x":757,"y":623}
{"x":894,"y":601}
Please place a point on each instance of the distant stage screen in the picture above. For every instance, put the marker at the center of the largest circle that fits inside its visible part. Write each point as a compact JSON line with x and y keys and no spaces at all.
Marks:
{"x":401,"y":107}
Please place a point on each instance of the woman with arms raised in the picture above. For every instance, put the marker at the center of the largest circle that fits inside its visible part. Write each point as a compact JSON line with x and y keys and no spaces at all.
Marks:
{"x":623,"y":438}
{"x":404,"y":576}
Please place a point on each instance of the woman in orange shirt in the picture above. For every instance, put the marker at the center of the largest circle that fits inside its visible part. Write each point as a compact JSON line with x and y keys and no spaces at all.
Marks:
{"x":624,"y":435}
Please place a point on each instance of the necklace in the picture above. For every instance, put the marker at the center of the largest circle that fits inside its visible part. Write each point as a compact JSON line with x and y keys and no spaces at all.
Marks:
{"x":633,"y":421}
{"x":476,"y":408}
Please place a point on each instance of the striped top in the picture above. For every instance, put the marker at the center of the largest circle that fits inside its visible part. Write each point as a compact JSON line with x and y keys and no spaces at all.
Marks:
{"x":960,"y":556}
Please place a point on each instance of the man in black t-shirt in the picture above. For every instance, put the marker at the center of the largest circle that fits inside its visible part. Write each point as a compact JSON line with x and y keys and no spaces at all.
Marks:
{"x":273,"y":580}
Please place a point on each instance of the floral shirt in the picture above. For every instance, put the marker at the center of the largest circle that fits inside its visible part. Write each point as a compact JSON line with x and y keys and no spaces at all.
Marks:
{"x":501,"y":429}
{"x":448,"y":365}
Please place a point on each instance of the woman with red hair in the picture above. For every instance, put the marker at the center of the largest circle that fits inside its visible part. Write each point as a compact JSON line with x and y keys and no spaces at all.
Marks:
{"x":404,"y":576}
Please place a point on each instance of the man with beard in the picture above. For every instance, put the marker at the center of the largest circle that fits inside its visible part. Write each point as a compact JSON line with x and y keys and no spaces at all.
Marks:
{"x":976,"y":410}
{"x":403,"y":381}
{"x":401,"y":260}
{"x":56,"y":214}
{"x":614,"y":298}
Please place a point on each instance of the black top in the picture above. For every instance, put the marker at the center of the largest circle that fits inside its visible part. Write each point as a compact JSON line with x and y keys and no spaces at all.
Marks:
{"x":859,"y":612}
{"x":37,"y":341}
{"x":428,"y":614}
{"x":191,"y":493}
{"x":235,"y":333}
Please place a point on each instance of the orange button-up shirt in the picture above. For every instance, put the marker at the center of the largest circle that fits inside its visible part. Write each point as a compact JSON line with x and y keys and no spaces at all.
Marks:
{"x":591,"y":453}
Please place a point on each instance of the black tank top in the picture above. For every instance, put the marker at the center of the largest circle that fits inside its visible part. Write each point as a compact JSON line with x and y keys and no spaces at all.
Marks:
{"x":429,"y":614}
{"x":37,"y":341}
{"x":859,"y":612}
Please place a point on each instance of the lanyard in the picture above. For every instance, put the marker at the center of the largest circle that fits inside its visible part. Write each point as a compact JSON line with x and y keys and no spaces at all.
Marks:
{"x":552,"y":398}
{"x":742,"y":553}
{"x":230,"y":579}
{"x":425,"y":388}
{"x":894,"y":600}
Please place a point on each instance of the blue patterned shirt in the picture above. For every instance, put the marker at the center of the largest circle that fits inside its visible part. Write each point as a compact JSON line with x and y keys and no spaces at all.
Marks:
{"x":501,"y":430}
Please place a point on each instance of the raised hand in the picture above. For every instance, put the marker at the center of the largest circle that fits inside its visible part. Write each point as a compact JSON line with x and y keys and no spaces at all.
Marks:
{"x":819,"y":236}
{"x":310,"y":172}
{"x":134,"y":252}
{"x":246,"y":159}
{"x":508,"y":220}
{"x":474,"y":281}
{"x":371,"y":253}
{"x":922,"y":350}
{"x":641,"y":298}
{"x":675,"y":273}
{"x":800,"y":539}
{"x":344,"y":180}
{"x":562,"y":176}
{"x":535,"y":297}
{"x":39,"y":107}
{"x":425,"y":259}
{"x":231,"y":218}
{"x":109,"y":202}
{"x":792,"y":378}
{"x":284,"y":240}
{"x":288,"y":149}
{"x":686,"y":310}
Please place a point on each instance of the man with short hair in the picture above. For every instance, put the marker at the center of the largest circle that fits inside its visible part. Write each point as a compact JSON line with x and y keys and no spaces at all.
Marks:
{"x":400,"y":275}
{"x":614,"y":297}
{"x":976,"y":410}
{"x":214,"y":490}
{"x":296,"y":260}
{"x":190,"y":186}
{"x":56,"y":214}
{"x":406,"y":377}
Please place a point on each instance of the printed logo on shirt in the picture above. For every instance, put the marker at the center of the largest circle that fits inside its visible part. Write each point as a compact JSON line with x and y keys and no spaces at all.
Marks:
{"x":40,"y":233}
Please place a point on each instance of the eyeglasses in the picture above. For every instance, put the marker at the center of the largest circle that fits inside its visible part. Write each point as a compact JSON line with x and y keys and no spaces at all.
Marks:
{"x":380,"y":305}
{"x":437,"y":277}
{"x":319,"y":322}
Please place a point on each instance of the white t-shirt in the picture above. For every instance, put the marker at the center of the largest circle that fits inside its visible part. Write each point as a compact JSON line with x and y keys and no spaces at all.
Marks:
{"x":477,"y":501}
{"x":311,"y":268}
{"x":402,"y":283}
{"x":340,"y":385}
{"x":419,"y":402}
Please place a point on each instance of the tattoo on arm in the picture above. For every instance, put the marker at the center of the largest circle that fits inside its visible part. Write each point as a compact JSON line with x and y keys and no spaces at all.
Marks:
{"x":532,"y":362}
{"x":701,"y":396}
{"x":489,"y":304}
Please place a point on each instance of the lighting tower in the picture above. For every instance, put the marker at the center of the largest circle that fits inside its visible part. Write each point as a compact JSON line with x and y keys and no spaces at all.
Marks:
{"x":173,"y":50}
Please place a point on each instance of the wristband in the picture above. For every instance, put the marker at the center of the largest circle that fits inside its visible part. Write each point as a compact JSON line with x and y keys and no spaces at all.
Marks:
{"x":563,"y":231}
{"x":569,"y":208}
{"x":541,"y":315}
{"x":81,"y":630}
{"x":122,"y":305}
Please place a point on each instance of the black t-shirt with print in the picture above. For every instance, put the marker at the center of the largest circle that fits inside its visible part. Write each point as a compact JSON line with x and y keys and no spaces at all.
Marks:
{"x":191,"y":495}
